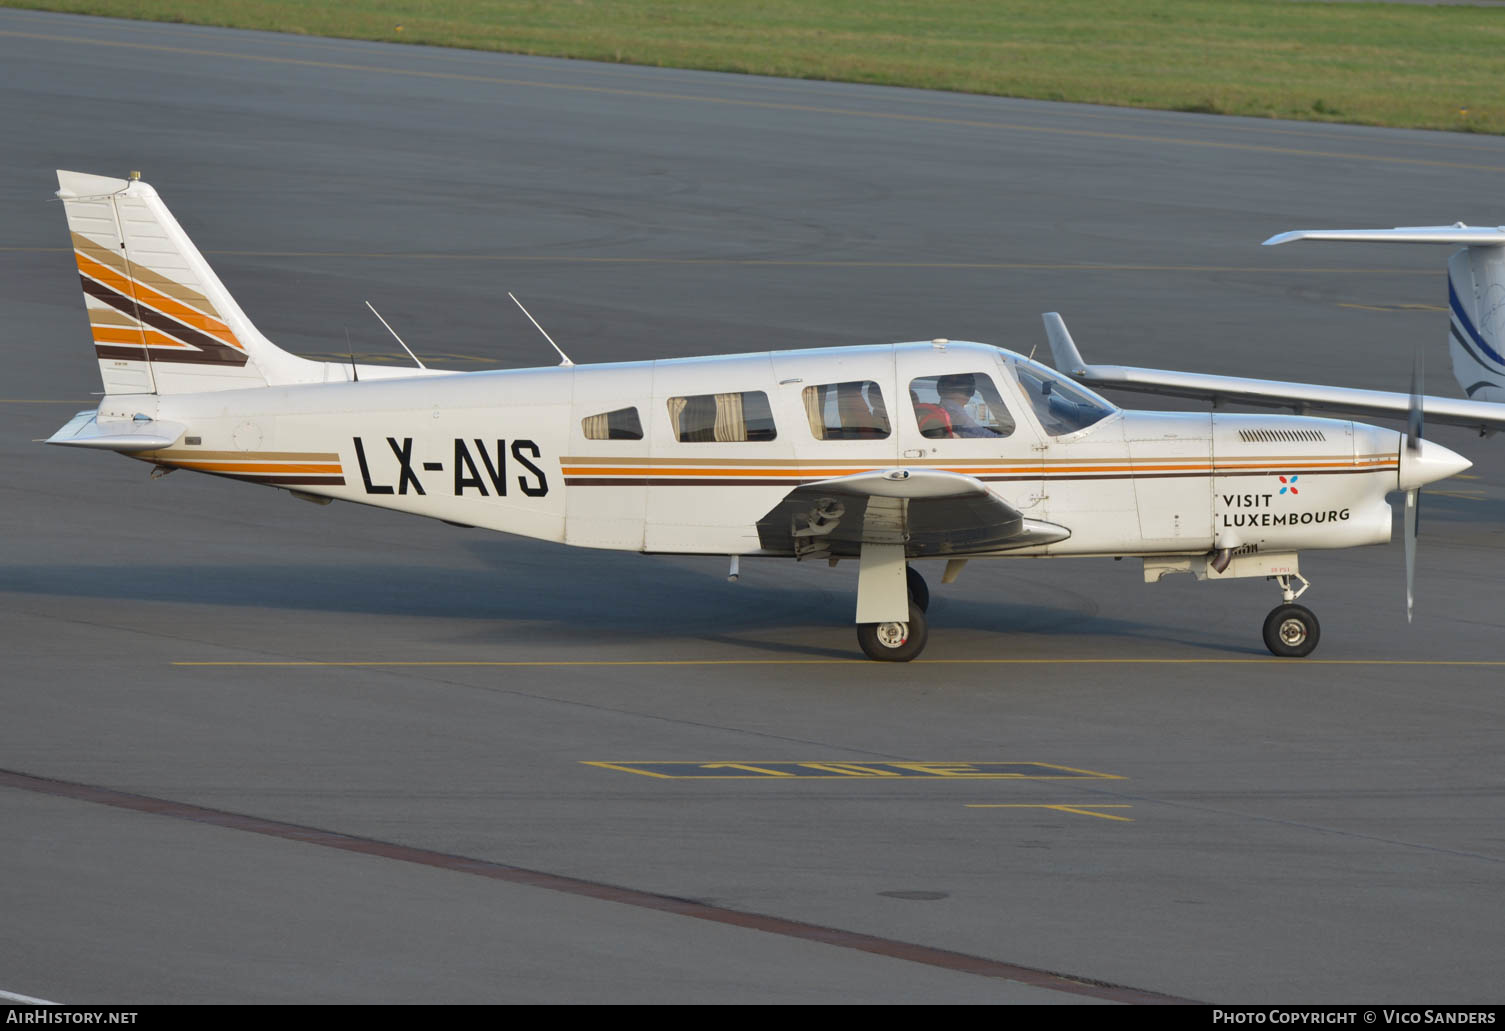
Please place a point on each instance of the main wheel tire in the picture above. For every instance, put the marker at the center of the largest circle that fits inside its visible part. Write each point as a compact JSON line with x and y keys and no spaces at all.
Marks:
{"x":919,"y":591}
{"x":1291,"y":631}
{"x":894,"y":642}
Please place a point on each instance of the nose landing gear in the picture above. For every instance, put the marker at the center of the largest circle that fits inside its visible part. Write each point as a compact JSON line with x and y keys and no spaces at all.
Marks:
{"x":1291,"y":631}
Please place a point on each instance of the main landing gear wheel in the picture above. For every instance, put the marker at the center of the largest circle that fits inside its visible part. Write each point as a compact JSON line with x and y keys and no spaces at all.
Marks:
{"x":1291,"y":631}
{"x":919,"y":591}
{"x":894,"y":642}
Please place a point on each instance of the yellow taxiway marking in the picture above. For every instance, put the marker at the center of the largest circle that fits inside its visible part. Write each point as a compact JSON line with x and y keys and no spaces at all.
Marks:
{"x":836,"y":770}
{"x":443,"y":663}
{"x":767,"y":105}
{"x":576,"y":259}
{"x":1393,"y":307}
{"x":1080,"y":810}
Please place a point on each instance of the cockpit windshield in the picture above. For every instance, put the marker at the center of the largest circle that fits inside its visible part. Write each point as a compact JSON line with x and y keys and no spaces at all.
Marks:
{"x":1062,"y":405}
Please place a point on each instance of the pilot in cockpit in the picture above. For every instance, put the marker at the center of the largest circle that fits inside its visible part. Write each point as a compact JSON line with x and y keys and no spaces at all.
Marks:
{"x":954,"y":393}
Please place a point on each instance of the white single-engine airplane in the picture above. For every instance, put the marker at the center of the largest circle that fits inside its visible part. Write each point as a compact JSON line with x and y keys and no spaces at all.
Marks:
{"x":881,"y":454}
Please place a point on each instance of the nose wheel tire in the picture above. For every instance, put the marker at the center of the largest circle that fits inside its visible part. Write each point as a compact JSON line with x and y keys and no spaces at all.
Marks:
{"x":894,"y":642}
{"x":919,"y":591}
{"x":1291,"y":631}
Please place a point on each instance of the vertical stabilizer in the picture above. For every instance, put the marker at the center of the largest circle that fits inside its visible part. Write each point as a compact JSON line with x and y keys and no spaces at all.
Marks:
{"x":1476,"y":295}
{"x":1476,"y":313}
{"x":162,"y":321}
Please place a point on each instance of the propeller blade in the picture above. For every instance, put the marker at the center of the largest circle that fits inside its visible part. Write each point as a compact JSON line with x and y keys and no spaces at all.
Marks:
{"x":1413,"y":496}
{"x":1414,"y":416}
{"x":1412,"y":499}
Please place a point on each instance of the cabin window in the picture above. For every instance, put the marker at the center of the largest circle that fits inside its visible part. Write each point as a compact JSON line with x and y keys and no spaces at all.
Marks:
{"x":959,"y":405}
{"x":622,"y":424}
{"x":846,"y":411}
{"x":722,"y":417}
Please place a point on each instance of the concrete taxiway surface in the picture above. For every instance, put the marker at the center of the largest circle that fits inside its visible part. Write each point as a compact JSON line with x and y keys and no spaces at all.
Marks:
{"x":262,"y":751}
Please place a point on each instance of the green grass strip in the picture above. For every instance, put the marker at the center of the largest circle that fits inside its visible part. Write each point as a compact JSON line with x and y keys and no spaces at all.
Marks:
{"x":1399,"y":65}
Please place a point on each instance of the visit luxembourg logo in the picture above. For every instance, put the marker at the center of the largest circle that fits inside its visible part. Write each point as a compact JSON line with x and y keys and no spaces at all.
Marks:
{"x":1288,"y":483}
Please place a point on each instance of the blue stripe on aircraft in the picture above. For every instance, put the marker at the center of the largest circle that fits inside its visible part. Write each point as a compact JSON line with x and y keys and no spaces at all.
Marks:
{"x":1468,"y":326}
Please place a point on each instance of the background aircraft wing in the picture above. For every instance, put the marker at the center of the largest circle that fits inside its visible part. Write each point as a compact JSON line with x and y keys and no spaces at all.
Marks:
{"x":933,"y":513}
{"x":1483,"y":416}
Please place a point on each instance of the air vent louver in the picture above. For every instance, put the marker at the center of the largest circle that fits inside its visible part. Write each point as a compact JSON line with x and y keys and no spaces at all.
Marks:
{"x":1279,"y":436}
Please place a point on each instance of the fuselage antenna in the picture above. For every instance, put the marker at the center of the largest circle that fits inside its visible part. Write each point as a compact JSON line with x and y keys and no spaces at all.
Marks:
{"x":405,"y":347}
{"x":564,"y":358}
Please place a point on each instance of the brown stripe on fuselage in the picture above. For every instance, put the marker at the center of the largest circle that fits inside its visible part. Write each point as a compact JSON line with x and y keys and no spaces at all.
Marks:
{"x":740,"y":481}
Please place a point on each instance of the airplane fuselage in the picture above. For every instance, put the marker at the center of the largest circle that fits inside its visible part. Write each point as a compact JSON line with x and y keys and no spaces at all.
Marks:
{"x":549,"y":453}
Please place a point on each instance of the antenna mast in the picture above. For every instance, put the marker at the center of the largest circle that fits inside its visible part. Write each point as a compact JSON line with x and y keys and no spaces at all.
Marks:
{"x":564,"y":358}
{"x":405,"y":347}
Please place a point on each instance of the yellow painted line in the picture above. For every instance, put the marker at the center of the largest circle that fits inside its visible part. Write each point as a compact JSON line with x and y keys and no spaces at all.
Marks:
{"x":1080,"y":810}
{"x":628,"y":769}
{"x":1394,"y":307}
{"x":448,"y":663}
{"x":1463,"y":495}
{"x":666,"y":769}
{"x":1016,"y":266}
{"x":766,"y":105}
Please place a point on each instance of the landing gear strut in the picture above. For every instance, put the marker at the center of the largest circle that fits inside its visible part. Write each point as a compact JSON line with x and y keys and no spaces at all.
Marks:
{"x":1291,"y":631}
{"x":891,"y":600}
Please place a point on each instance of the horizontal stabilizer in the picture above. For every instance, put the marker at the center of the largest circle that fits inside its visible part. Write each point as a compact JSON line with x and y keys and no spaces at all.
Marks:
{"x":1458,"y":234}
{"x":86,"y":429}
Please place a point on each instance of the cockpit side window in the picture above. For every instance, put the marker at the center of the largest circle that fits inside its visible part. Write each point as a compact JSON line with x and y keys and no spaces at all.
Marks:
{"x":959,"y":405}
{"x":704,"y":418}
{"x":622,"y":424}
{"x":1062,"y":405}
{"x":846,"y":411}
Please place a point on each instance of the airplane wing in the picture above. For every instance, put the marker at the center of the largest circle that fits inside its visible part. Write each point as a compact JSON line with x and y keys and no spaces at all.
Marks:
{"x":931,"y":511}
{"x":1484,"y":416}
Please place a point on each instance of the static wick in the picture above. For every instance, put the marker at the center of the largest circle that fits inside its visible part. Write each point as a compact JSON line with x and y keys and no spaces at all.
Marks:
{"x":564,"y":358}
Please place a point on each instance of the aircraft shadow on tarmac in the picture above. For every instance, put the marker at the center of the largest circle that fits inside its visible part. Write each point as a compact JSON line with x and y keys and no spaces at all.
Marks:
{"x":563,"y":596}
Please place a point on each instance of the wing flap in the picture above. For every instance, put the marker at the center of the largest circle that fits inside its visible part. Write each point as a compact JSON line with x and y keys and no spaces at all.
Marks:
{"x":932,"y":512}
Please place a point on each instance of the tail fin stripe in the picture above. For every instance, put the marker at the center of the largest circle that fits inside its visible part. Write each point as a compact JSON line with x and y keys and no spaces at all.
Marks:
{"x":102,"y":254}
{"x":161,"y":302}
{"x":1459,"y":339}
{"x":132,"y":336}
{"x":209,"y":349}
{"x":1468,"y":327}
